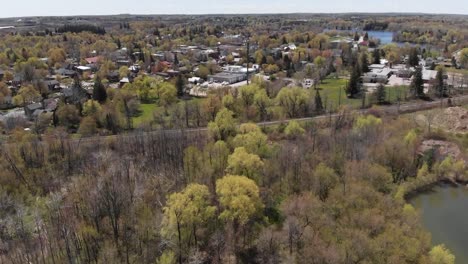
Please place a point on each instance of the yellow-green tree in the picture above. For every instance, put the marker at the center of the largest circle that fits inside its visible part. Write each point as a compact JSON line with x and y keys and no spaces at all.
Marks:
{"x":252,"y":139}
{"x":239,"y":199}
{"x":441,"y":255}
{"x":325,"y":180}
{"x":184,"y":214}
{"x":224,"y":125}
{"x":293,"y":101}
{"x":243,"y":163}
{"x":294,"y":129}
{"x":26,"y":95}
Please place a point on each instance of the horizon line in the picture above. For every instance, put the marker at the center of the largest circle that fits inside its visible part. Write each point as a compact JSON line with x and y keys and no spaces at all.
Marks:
{"x":239,"y":14}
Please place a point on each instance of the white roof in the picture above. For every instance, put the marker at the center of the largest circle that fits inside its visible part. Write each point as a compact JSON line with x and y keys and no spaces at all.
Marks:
{"x":83,"y":68}
{"x":194,"y":79}
{"x":429,"y":75}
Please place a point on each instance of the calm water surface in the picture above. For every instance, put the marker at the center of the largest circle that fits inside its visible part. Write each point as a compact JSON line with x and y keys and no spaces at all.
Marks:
{"x":445,"y":214}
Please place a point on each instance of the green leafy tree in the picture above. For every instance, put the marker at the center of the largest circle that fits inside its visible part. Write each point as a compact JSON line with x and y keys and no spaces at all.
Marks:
{"x":293,"y":101}
{"x":353,"y":87}
{"x":294,"y":129}
{"x":224,"y":125}
{"x":262,"y":102}
{"x":243,"y":163}
{"x":364,"y":62}
{"x":441,"y":88}
{"x":252,"y":139}
{"x":167,"y":94}
{"x":325,"y":180}
{"x":26,"y":95}
{"x":68,"y":116}
{"x":99,"y":91}
{"x":88,"y":126}
{"x":180,"y":85}
{"x":376,"y":56}
{"x":417,"y":85}
{"x":318,"y":102}
{"x":184,"y":213}
{"x":239,"y":198}
{"x":91,"y":108}
{"x":413,"y":59}
{"x":441,"y":255}
{"x":381,"y":94}
{"x":247,"y":94}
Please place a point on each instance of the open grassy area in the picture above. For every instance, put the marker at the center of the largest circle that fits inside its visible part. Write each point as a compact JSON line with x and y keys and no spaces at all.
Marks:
{"x":332,"y":96}
{"x":145,"y":115}
{"x":333,"y":93}
{"x":401,"y":92}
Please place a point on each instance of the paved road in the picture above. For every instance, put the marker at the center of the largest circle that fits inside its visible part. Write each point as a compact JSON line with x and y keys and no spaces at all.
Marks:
{"x":388,"y":110}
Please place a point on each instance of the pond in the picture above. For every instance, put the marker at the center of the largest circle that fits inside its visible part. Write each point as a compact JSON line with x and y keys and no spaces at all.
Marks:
{"x":445,"y":215}
{"x":384,"y":36}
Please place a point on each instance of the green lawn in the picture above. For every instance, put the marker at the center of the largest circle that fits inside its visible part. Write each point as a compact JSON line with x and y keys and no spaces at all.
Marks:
{"x":331,"y":90}
{"x":332,"y":96}
{"x":145,"y":115}
{"x":393,"y":93}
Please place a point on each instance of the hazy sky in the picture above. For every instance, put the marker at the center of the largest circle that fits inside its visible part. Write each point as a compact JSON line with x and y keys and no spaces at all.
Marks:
{"x":16,"y":8}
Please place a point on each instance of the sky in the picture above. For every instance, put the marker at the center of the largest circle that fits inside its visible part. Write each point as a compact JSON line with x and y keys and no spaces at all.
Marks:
{"x":18,"y":8}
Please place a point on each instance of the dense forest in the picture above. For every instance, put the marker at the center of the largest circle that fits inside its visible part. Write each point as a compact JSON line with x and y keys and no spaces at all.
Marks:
{"x":81,"y":28}
{"x":329,"y":192}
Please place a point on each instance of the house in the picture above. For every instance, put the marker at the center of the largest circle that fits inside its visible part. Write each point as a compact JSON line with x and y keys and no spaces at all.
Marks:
{"x":124,"y":81}
{"x":376,"y":67}
{"x":307,"y":83}
{"x":195,"y":80}
{"x":113,"y":77}
{"x":83,"y":69}
{"x":375,"y":77}
{"x":52,"y":85}
{"x":228,"y":77}
{"x":92,"y":60}
{"x":50,"y":105}
{"x":404,"y":73}
{"x":31,"y":109}
{"x":428,"y":75}
{"x":66,"y":72}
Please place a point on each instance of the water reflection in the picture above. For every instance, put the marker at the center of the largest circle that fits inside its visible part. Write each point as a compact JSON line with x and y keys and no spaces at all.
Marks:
{"x":444,"y":213}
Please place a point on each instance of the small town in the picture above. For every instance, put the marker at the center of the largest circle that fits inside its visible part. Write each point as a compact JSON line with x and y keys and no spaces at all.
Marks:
{"x":239,"y":133}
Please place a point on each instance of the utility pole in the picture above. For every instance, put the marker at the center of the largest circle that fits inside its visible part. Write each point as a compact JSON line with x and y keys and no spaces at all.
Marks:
{"x":339,"y":97}
{"x":248,"y":58}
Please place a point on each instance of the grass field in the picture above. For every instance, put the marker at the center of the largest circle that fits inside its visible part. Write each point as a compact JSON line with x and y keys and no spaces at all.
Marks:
{"x":332,"y":96}
{"x":145,"y":115}
{"x":333,"y":93}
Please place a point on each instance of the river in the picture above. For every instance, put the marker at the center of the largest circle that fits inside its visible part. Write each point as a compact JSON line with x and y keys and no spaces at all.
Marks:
{"x":445,"y":215}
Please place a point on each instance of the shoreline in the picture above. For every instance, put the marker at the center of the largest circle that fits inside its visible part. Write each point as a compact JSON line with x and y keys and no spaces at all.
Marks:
{"x":429,"y":187}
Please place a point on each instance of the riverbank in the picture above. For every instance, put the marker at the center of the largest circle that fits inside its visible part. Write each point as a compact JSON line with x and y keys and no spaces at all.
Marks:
{"x":443,"y":215}
{"x":430,"y":187}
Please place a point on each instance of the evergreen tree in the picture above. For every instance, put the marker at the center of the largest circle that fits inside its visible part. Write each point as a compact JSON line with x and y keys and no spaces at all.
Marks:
{"x":366,"y":37}
{"x":99,"y":91}
{"x":353,"y":86}
{"x":364,"y":63}
{"x":356,"y":36}
{"x":180,"y":84}
{"x":413,"y":59}
{"x":381,"y":94}
{"x":440,"y":84}
{"x":417,"y":85}
{"x":318,"y":102}
{"x":376,"y":55}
